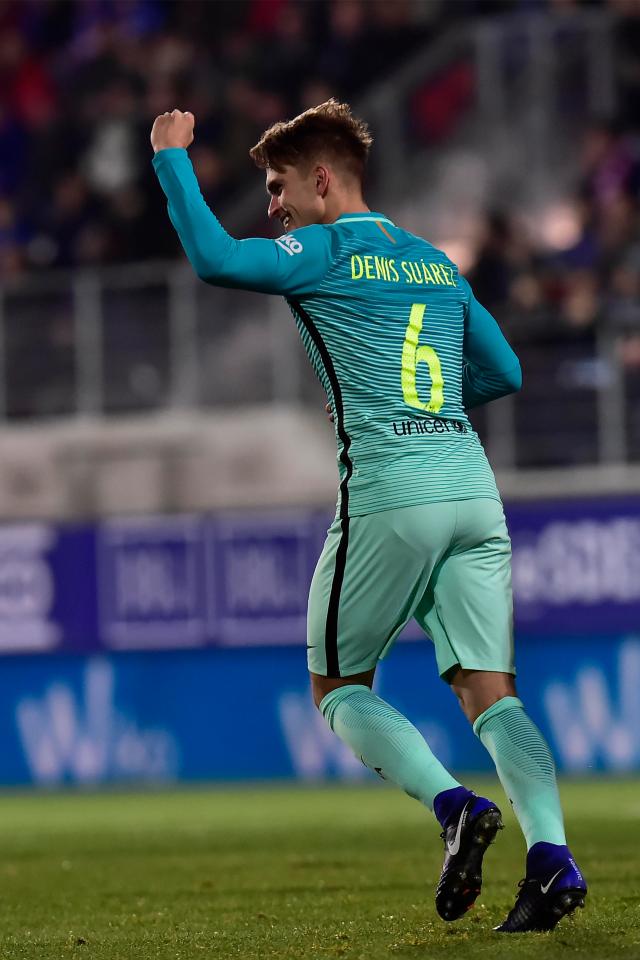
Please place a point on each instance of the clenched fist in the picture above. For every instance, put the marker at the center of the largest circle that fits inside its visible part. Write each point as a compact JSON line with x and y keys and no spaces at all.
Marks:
{"x":173,"y":129}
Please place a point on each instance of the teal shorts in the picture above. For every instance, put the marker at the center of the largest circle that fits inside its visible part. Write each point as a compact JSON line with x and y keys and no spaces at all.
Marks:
{"x":446,"y":564}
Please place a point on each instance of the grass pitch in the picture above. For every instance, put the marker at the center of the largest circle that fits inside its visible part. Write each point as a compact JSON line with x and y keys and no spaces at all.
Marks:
{"x":290,"y":873}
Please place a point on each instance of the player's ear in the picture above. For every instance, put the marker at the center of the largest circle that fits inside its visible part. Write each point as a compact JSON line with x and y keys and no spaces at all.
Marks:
{"x":322,"y":178}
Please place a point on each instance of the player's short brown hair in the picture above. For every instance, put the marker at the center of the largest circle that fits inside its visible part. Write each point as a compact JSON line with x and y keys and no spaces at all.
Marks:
{"x":328,"y":131}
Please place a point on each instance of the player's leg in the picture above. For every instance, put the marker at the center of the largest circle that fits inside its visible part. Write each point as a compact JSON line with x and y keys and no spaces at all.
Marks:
{"x":385,"y":740}
{"x":553,"y":883}
{"x":384,"y":576}
{"x":469,"y":615}
{"x":362,"y":592}
{"x":521,"y":755}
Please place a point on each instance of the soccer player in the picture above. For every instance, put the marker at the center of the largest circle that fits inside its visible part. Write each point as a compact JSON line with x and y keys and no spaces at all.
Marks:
{"x":403,"y":350}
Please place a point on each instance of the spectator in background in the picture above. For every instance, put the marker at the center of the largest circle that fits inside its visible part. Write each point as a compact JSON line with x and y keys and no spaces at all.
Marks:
{"x":622,"y":307}
{"x":627,"y":64}
{"x":347,"y":59}
{"x":12,"y":240}
{"x":493,"y":272}
{"x":609,"y":163}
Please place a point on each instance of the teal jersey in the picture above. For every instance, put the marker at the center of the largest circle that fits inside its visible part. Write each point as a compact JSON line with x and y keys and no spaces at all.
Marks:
{"x":394,"y":333}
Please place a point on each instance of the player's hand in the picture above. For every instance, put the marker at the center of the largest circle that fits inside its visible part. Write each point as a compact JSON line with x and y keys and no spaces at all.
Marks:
{"x":173,"y":129}
{"x":329,"y":410}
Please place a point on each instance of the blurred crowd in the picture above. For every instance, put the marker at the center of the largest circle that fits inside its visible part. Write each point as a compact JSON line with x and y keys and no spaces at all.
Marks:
{"x":80,"y":83}
{"x":81,"y":80}
{"x":591,"y":280}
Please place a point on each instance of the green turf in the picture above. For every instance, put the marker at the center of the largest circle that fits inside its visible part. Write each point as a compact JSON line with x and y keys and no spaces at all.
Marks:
{"x":286,"y":873}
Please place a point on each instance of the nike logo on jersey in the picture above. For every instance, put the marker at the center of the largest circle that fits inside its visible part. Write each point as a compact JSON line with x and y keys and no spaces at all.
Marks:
{"x":454,"y":845}
{"x":545,"y":889}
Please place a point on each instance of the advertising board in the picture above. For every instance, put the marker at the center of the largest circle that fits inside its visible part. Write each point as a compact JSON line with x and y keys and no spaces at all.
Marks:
{"x":232,"y":580}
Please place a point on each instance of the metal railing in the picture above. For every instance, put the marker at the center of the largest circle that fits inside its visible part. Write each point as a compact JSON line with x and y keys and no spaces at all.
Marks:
{"x":135,"y":338}
{"x":151,"y":338}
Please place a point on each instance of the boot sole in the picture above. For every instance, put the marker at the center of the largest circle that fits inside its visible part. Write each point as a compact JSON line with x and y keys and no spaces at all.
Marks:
{"x":464,"y":885}
{"x":565,"y":902}
{"x":562,"y":905}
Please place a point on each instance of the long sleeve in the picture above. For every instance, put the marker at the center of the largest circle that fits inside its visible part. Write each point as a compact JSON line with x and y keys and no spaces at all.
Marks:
{"x":490,"y":367}
{"x":291,"y":265}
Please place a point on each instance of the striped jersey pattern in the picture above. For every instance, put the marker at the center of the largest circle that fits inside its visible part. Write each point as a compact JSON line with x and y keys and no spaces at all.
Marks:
{"x":384,"y":331}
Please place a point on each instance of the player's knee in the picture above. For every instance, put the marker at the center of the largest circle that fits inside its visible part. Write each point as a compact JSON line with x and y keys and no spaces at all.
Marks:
{"x":459,"y":695}
{"x":478,"y":690}
{"x":476,"y":707}
{"x":317,"y":691}
{"x":321,"y":686}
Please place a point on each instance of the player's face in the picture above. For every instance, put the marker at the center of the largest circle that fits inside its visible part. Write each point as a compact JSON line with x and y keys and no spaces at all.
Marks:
{"x":295,"y":200}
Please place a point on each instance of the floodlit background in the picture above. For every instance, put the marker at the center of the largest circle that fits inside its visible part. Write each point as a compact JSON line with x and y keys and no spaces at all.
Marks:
{"x":168,"y":471}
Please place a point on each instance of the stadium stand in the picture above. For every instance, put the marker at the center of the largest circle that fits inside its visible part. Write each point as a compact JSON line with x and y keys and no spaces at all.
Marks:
{"x":85,"y":332}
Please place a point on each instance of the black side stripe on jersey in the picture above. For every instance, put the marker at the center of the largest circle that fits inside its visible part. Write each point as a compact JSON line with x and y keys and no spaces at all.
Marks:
{"x":331,"y":629}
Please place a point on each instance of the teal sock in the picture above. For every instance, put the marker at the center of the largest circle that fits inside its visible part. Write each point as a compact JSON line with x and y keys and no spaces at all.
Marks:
{"x":386,"y":742}
{"x":525,"y":767}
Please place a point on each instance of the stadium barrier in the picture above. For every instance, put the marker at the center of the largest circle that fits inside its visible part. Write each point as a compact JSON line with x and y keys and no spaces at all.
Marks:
{"x":147,"y":629}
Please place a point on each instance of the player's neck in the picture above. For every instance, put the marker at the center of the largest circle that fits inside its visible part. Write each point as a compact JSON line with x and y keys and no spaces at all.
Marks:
{"x":344,"y":203}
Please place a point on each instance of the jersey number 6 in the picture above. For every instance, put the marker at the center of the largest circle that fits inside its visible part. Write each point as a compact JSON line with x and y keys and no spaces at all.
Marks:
{"x":412,"y":355}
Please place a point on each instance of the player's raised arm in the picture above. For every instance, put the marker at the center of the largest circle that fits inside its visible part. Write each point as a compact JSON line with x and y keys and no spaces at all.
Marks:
{"x":289,"y":265}
{"x":490,"y":367}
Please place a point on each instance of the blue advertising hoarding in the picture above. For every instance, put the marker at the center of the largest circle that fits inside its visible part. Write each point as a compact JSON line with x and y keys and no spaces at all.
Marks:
{"x":229,"y":714}
{"x":242,"y":579}
{"x":150,"y":631}
{"x":48,"y":588}
{"x":260,"y":569}
{"x":151,"y":583}
{"x":576,"y":565}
